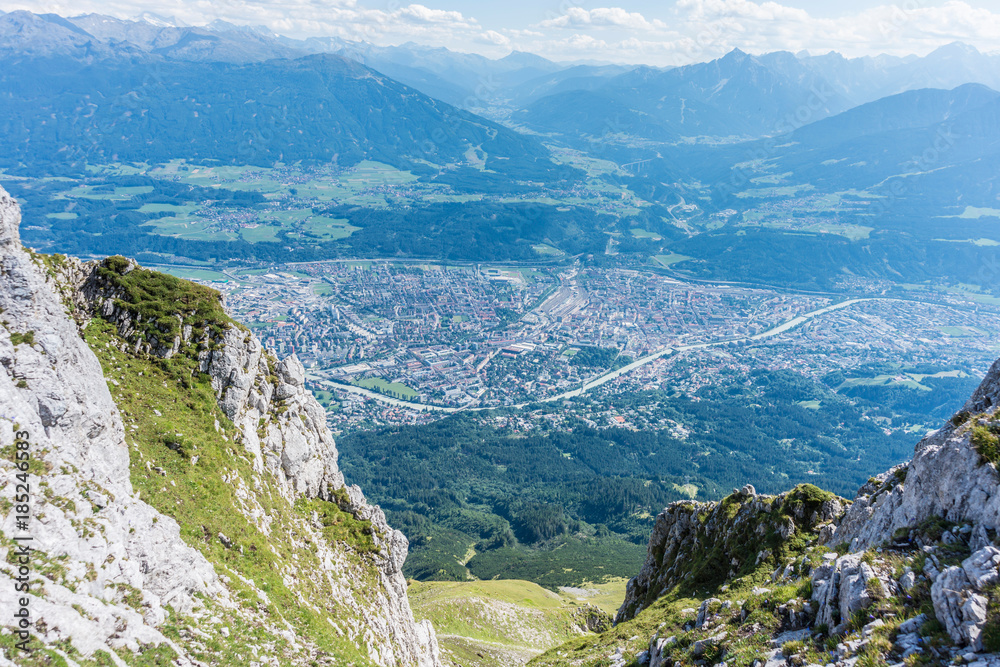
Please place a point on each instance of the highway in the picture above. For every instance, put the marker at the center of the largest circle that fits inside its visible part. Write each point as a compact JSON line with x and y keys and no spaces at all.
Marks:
{"x":604,"y":378}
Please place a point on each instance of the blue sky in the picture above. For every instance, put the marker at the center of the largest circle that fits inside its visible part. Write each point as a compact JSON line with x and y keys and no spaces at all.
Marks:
{"x":671,"y":32}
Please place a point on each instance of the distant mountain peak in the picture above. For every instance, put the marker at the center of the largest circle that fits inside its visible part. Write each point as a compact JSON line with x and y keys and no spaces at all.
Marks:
{"x":160,"y":21}
{"x":955,"y":49}
{"x":218,"y":25}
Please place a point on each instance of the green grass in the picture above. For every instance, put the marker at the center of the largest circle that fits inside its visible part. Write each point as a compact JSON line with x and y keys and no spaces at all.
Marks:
{"x":383,"y":386}
{"x":961,"y":332}
{"x":547,"y":250}
{"x":974,"y":212}
{"x":778,"y":191}
{"x":260,"y":234}
{"x":190,"y":228}
{"x":65,"y":215}
{"x":644,"y":234}
{"x":328,"y":229}
{"x":178,"y":209}
{"x":670,"y":259}
{"x":981,"y":242}
{"x":902,"y":380}
{"x":195,"y":274}
{"x":157,"y":299}
{"x":725,"y":550}
{"x":496,"y":618}
{"x":199,"y":487}
{"x":119,"y":193}
{"x":986,"y":442}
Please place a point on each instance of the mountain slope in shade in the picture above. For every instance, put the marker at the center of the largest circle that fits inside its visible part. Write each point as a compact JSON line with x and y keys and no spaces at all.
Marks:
{"x":217,"y":42}
{"x":321,"y":108}
{"x":734,"y":96}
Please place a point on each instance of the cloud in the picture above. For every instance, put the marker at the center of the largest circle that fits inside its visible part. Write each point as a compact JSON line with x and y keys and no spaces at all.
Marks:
{"x":679,"y":33}
{"x":605,"y":17}
{"x":296,"y":18}
{"x":698,"y":30}
{"x":493,"y":37}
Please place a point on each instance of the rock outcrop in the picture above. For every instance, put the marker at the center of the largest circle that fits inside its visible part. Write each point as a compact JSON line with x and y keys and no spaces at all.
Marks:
{"x":85,"y":514}
{"x":908,"y":571}
{"x":704,"y":544}
{"x":947,"y":478}
{"x":109,"y":569}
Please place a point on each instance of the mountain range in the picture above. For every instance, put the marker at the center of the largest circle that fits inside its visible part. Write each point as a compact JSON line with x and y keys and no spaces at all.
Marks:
{"x":519,"y":79}
{"x":876,"y":151}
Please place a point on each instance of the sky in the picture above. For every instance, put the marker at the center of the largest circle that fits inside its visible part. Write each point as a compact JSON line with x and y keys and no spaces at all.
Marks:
{"x":654,"y":32}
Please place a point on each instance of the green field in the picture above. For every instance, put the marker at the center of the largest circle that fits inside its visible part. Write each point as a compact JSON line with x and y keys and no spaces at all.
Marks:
{"x":192,"y":228}
{"x":195,"y":274}
{"x":480,"y":623}
{"x":973,"y":212}
{"x":903,"y":380}
{"x":119,"y":194}
{"x":961,"y":332}
{"x":168,"y":208}
{"x":260,"y":234}
{"x":780,"y":191}
{"x":981,"y":242}
{"x":546,"y":249}
{"x":671,"y":259}
{"x":645,"y":234}
{"x":383,"y":386}
{"x":328,"y":229}
{"x":66,"y":215}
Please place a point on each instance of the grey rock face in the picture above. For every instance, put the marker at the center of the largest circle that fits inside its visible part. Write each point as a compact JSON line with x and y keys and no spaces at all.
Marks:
{"x":657,"y":646}
{"x":957,"y":600}
{"x":847,"y":585}
{"x":946,"y":478}
{"x":731,"y":530}
{"x":55,"y":389}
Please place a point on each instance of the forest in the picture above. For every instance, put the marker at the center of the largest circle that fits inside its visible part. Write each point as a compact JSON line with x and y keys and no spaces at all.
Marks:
{"x":464,"y":485}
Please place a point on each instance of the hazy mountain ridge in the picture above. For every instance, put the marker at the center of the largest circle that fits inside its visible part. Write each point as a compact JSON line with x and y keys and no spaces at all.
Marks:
{"x":316,"y":108}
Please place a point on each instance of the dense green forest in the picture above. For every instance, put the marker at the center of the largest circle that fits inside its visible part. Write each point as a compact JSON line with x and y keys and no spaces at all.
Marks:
{"x":552,"y":502}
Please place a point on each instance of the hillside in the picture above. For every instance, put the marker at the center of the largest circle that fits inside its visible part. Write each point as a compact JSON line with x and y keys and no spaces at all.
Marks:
{"x":907,"y":573}
{"x":177,"y":485}
{"x":317,"y":108}
{"x":507,"y":622}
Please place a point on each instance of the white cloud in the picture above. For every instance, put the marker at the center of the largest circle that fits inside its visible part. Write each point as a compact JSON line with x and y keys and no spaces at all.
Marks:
{"x":697,"y":30}
{"x":604,"y":17}
{"x":296,"y":18}
{"x":686,"y":31}
{"x":493,"y":37}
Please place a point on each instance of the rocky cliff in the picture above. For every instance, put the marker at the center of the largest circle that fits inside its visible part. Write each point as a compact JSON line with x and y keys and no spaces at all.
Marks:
{"x":183,"y":486}
{"x":907,"y":573}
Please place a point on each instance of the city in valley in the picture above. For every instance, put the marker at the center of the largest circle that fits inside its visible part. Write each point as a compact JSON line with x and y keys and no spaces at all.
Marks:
{"x":393,"y":343}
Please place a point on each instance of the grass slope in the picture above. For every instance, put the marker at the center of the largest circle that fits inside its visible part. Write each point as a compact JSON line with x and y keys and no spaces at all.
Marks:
{"x":504,"y":622}
{"x":187,"y":462}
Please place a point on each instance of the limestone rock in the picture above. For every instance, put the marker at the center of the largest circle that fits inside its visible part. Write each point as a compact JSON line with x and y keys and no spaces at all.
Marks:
{"x":108,"y":540}
{"x":729,"y":529}
{"x":55,"y":390}
{"x":946,"y":478}
{"x":957,"y":600}
{"x":847,"y":585}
